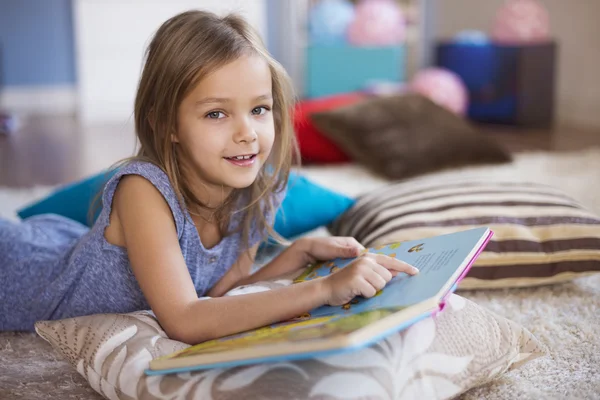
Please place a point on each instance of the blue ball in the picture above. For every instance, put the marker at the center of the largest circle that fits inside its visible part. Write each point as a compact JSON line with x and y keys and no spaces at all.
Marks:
{"x":329,"y":20}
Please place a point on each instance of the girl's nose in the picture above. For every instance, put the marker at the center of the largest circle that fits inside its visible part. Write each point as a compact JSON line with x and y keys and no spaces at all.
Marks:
{"x":245,"y":132}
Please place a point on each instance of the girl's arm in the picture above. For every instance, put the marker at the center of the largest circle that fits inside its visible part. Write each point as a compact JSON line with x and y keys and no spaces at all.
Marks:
{"x":150,"y":236}
{"x":240,"y":273}
{"x":153,"y":248}
{"x":304,"y":251}
{"x":288,"y":262}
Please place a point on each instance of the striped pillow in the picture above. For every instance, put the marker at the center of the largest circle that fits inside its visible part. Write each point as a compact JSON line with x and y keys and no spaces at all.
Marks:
{"x":541,"y":236}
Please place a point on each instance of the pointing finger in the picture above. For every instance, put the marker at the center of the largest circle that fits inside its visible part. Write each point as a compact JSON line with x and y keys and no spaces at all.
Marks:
{"x":393,"y":264}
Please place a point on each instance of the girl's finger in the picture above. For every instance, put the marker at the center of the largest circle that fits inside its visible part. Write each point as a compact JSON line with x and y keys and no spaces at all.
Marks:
{"x":348,"y":241}
{"x":375,"y":279}
{"x":365,"y":288}
{"x":385,"y":273}
{"x":354,"y":243}
{"x":394,"y":264}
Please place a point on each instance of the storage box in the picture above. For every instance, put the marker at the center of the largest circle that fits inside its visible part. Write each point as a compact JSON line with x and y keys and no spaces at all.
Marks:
{"x":506,"y":84}
{"x":344,"y":68}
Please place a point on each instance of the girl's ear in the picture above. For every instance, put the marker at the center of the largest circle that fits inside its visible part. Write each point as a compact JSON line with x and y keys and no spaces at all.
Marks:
{"x":174,"y":138}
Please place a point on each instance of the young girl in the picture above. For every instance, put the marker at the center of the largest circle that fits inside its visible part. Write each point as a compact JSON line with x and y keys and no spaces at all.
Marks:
{"x":183,"y":218}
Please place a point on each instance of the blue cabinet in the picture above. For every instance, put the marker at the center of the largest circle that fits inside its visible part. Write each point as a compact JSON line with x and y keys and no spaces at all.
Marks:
{"x":344,"y":68}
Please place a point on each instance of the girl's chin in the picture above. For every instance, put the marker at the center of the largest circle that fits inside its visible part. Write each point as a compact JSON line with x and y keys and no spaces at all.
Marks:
{"x":240,"y":179}
{"x":240,"y":182}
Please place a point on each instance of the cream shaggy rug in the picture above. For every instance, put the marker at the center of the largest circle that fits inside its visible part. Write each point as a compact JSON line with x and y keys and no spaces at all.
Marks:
{"x":566,"y":318}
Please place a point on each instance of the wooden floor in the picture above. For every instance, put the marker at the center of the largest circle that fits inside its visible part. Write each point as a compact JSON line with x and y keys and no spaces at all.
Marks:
{"x":51,"y":150}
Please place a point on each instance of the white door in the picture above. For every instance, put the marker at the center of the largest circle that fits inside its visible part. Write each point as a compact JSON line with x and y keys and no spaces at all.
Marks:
{"x":110,"y":40}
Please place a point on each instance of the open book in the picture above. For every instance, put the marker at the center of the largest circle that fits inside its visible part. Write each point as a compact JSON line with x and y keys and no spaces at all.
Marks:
{"x":442,"y":262}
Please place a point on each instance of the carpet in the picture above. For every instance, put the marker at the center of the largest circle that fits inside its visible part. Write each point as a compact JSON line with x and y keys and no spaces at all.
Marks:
{"x":564,"y":317}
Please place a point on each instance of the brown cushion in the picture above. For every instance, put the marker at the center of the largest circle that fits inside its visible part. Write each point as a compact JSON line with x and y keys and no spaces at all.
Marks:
{"x":437,"y":358}
{"x":541,"y":235}
{"x":405,"y":135}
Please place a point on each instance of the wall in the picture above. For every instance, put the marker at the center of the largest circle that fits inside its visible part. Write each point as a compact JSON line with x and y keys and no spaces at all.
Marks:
{"x":37,"y":42}
{"x":36,"y":55}
{"x":576,"y":28}
{"x":109,"y":61}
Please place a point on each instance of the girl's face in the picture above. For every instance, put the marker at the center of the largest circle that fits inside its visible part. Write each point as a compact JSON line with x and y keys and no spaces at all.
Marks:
{"x":225,"y":125}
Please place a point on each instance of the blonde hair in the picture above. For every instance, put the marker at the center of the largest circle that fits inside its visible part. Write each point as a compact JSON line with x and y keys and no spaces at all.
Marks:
{"x":185,"y":49}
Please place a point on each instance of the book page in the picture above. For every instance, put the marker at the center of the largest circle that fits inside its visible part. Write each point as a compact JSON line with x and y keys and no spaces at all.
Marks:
{"x":437,"y":259}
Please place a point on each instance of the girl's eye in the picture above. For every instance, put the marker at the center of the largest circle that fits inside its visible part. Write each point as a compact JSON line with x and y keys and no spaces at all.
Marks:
{"x":215,"y":115}
{"x":260,"y":110}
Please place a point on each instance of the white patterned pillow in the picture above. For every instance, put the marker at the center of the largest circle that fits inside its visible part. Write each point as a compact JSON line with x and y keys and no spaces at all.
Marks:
{"x":438,"y":358}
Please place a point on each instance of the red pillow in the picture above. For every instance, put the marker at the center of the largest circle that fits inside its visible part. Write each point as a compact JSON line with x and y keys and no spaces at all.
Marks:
{"x":314,"y":147}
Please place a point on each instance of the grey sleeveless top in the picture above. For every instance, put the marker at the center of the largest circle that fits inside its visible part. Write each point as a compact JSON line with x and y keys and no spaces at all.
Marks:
{"x":93,"y":276}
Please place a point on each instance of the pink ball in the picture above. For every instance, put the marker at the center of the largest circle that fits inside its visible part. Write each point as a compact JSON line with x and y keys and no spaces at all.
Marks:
{"x":521,"y":22}
{"x":443,"y":87}
{"x":377,"y":23}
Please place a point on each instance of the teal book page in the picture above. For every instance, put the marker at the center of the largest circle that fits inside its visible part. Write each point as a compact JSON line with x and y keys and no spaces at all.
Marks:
{"x":437,"y":259}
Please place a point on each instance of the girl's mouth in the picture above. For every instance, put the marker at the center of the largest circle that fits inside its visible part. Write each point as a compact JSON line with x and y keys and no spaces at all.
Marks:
{"x":244,"y":160}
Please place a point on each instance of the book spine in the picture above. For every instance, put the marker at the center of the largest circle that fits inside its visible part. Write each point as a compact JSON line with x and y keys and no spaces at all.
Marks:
{"x":464,"y":273}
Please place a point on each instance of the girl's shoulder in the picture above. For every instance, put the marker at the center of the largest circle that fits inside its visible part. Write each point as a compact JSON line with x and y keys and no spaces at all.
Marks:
{"x":156,"y":176}
{"x":147,"y":169}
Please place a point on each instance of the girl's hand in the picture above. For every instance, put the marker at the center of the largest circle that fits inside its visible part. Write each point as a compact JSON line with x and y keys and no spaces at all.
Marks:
{"x":312,"y":249}
{"x":290,"y":262}
{"x":363,"y":277}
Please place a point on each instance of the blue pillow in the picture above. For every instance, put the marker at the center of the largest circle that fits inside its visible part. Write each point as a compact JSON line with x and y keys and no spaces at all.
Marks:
{"x":72,"y":201}
{"x":305,"y":207}
{"x":308,"y":206}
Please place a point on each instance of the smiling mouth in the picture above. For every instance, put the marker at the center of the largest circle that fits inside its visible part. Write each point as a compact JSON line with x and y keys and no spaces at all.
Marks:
{"x":244,"y":160}
{"x":242,"y":157}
